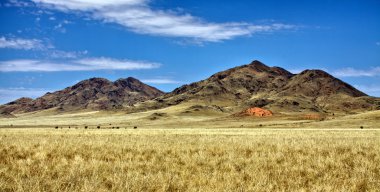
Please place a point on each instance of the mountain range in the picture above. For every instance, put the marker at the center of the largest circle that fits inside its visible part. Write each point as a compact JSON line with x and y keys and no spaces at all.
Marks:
{"x":251,"y":85}
{"x":92,"y":94}
{"x":274,"y":88}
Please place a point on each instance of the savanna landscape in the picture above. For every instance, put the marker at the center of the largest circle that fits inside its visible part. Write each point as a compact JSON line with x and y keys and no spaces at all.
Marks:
{"x":189,"y":146}
{"x":213,"y":95}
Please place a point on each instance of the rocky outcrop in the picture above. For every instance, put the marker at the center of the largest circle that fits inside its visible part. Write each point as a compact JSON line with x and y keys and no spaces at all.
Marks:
{"x":256,"y":111}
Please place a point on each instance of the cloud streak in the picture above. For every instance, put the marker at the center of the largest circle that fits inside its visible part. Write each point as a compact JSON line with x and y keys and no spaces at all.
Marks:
{"x":352,"y":72}
{"x":58,"y":54}
{"x":20,"y":43}
{"x":86,"y":5}
{"x":139,"y":17}
{"x":17,"y":3}
{"x":46,"y":48}
{"x":86,"y":64}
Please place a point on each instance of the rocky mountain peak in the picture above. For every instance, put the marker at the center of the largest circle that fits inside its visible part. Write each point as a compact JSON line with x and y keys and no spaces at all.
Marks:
{"x":93,"y":93}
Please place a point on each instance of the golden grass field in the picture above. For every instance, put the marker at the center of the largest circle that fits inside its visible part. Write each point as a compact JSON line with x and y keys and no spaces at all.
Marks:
{"x":188,"y":152}
{"x":49,"y":159}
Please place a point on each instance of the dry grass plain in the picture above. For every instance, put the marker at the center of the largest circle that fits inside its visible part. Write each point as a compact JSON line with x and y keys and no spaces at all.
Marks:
{"x":175,"y":117}
{"x":197,"y":159}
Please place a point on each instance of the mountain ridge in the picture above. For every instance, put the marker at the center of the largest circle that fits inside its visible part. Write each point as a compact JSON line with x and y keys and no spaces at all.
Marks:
{"x":94,"y":93}
{"x":250,"y":85}
{"x":258,"y":85}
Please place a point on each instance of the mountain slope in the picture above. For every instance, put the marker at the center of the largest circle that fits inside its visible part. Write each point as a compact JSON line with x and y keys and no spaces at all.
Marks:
{"x":7,"y":109}
{"x":257,"y":85}
{"x":234,"y":84}
{"x":315,"y":83}
{"x":94,"y":93}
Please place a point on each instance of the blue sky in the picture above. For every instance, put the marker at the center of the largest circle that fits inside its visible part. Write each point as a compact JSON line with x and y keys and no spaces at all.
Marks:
{"x":47,"y":45}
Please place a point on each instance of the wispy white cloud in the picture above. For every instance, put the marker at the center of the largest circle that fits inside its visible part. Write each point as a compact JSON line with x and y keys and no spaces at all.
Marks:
{"x":378,"y":43}
{"x":47,"y":49}
{"x":347,"y":72}
{"x":17,"y":3}
{"x":86,"y":5}
{"x":58,"y":54}
{"x":86,"y":64}
{"x":11,"y":94}
{"x":160,"y":81}
{"x":352,"y":72}
{"x":60,"y":27}
{"x":109,"y":63}
{"x":20,"y":43}
{"x":139,"y":17}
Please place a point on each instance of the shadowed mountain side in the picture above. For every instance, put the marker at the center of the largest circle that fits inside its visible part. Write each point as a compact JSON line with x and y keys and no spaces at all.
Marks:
{"x":7,"y":109}
{"x":316,"y":83}
{"x":94,"y":94}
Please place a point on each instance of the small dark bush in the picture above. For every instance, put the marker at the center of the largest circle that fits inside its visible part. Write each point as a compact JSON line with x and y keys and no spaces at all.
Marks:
{"x":117,"y":127}
{"x":135,"y":127}
{"x":56,"y":127}
{"x":361,"y":127}
{"x":86,"y":127}
{"x":98,"y":127}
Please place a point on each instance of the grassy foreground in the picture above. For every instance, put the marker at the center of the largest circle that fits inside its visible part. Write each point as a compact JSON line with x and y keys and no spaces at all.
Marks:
{"x":189,"y":160}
